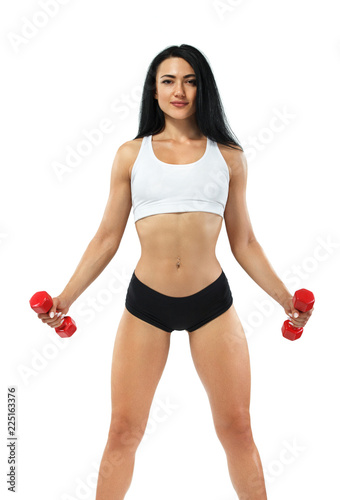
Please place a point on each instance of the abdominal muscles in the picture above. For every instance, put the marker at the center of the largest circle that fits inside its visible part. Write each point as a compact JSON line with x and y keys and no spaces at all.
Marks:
{"x":178,"y":252}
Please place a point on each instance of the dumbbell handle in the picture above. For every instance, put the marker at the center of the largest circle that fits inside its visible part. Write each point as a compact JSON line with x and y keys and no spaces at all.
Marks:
{"x":41,"y":302}
{"x":303,"y":301}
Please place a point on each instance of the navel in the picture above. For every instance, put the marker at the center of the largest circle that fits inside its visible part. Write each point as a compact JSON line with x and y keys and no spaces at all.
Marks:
{"x":178,"y":263}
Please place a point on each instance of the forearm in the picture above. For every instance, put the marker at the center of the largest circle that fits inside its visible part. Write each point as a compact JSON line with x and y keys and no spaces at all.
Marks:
{"x":254,"y":261}
{"x":96,"y":257}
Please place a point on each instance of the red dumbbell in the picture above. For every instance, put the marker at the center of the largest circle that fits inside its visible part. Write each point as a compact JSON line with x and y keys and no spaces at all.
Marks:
{"x":41,"y":302}
{"x":303,"y":301}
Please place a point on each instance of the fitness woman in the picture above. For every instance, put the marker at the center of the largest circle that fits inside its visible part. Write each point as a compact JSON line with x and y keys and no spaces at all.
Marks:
{"x":182,"y":174}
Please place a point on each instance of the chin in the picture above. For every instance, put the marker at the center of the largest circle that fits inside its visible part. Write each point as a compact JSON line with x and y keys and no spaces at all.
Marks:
{"x":178,"y":112}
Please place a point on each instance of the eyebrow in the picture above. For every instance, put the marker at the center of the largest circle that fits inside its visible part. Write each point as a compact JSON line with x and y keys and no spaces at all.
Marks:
{"x":185,"y":76}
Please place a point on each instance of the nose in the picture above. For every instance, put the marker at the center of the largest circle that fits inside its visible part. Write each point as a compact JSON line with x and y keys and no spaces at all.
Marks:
{"x":179,"y":90}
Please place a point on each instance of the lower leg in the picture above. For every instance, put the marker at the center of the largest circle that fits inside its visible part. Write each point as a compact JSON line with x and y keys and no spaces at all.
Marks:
{"x":245,"y":468}
{"x":115,"y":472}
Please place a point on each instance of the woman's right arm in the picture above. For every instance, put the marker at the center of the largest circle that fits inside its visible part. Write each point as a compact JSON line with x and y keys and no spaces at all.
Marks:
{"x":105,"y":242}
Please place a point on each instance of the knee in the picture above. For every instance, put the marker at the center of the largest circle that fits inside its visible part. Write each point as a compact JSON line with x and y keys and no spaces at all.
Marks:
{"x":235,"y":426}
{"x":125,"y":432}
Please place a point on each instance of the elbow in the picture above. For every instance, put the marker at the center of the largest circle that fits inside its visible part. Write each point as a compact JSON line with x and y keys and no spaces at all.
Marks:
{"x":241,"y":247}
{"x":108,"y":241}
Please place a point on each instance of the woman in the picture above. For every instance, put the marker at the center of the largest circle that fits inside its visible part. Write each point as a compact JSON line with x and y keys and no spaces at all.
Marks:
{"x":182,"y":174}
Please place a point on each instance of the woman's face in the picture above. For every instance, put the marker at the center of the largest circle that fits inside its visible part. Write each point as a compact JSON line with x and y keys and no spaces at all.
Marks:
{"x":179,"y":86}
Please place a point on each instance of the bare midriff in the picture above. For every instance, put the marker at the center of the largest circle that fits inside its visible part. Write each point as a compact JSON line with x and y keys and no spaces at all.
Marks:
{"x":178,"y":252}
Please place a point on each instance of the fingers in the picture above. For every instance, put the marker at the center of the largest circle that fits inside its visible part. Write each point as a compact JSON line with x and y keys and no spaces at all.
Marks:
{"x":52,"y":322}
{"x":56,"y":321}
{"x":302,"y":319}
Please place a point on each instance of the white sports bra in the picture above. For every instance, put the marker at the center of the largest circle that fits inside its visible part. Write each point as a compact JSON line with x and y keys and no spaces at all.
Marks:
{"x":158,"y":187}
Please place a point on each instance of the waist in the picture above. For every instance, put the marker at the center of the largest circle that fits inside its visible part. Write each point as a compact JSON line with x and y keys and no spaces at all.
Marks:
{"x":178,"y":276}
{"x":188,"y":234}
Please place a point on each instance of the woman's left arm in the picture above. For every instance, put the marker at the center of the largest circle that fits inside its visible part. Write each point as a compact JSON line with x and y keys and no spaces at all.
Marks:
{"x":244,"y":245}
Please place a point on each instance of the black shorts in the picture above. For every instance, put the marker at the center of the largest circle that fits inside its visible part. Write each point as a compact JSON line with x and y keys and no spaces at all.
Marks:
{"x":178,"y":313}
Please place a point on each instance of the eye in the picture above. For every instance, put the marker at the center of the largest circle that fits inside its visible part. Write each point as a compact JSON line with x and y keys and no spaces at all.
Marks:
{"x":189,"y":81}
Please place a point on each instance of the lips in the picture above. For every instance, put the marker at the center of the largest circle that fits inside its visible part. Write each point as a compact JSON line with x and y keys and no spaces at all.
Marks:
{"x":179,"y":104}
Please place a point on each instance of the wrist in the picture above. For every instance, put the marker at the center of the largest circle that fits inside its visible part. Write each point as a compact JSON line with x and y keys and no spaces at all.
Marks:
{"x":283,"y":297}
{"x":66,"y":298}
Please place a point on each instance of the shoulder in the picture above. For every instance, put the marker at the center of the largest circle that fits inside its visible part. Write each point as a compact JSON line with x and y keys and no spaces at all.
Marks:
{"x":128,"y":152}
{"x":235,"y":159}
{"x":129,"y":148}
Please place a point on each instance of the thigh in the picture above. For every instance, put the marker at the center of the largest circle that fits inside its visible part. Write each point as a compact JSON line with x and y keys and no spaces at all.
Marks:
{"x":220,"y":354}
{"x":139,"y":357}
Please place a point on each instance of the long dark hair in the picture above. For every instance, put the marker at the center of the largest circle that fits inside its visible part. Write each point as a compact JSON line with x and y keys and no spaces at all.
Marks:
{"x":210,"y":115}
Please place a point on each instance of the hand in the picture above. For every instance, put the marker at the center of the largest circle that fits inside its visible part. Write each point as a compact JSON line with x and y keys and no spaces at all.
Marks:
{"x":55,"y":316}
{"x":302,"y":317}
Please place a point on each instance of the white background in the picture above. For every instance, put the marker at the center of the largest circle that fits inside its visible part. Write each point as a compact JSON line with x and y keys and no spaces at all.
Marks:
{"x":88,"y":63}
